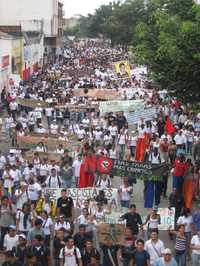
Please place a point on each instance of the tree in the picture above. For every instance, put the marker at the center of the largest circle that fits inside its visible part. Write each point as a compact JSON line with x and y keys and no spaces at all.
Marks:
{"x":169,"y":44}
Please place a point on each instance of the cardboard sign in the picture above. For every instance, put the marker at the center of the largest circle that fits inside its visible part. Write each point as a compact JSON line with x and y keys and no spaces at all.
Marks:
{"x":118,"y":106}
{"x":167,"y":218}
{"x":111,"y":234}
{"x":122,"y":70}
{"x":103,"y":94}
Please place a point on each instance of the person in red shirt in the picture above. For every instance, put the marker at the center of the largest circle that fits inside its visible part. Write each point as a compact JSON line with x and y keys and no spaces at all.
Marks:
{"x":179,"y":170}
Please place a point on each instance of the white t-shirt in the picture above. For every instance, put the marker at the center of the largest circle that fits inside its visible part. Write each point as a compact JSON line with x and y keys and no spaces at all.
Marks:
{"x":155,"y":250}
{"x":44,"y":169}
{"x":76,"y":166}
{"x":80,"y":133}
{"x":187,"y":221}
{"x":20,"y":217}
{"x":53,"y":182}
{"x":48,"y":111}
{"x":98,"y":135}
{"x":10,"y":242}
{"x":33,"y":191}
{"x":22,"y":199}
{"x":8,"y":182}
{"x":122,"y":139}
{"x":196,"y":242}
{"x":15,"y":174}
{"x":46,"y":226}
{"x":69,"y":256}
{"x":2,"y":162}
{"x":180,"y":140}
{"x":125,"y":192}
{"x":54,"y":129}
{"x":113,"y":130}
{"x":65,"y":225}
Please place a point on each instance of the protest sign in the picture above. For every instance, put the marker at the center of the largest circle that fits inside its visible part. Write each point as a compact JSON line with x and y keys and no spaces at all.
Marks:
{"x":111,"y":234}
{"x":167,"y":218}
{"x":138,"y":170}
{"x":118,"y":106}
{"x":32,"y":103}
{"x":122,"y":69}
{"x":80,"y":195}
{"x":146,"y":114}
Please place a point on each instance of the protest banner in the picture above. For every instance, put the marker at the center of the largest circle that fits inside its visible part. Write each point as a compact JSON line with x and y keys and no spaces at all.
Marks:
{"x":80,"y":195}
{"x":50,"y":156}
{"x":146,"y":114}
{"x":31,"y":141}
{"x":32,"y":103}
{"x":118,"y":106}
{"x":167,"y":219}
{"x":103,"y":94}
{"x":138,"y":170}
{"x":111,"y":234}
{"x":122,"y":69}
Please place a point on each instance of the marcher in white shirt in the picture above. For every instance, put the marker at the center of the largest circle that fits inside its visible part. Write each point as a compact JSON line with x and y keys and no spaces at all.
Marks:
{"x":67,"y":254}
{"x":76,"y":169}
{"x":53,"y":181}
{"x":21,"y":195}
{"x":195,"y":247}
{"x":154,"y":247}
{"x":11,"y":239}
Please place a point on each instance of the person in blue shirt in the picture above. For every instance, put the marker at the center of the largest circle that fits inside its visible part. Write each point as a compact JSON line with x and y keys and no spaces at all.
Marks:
{"x":140,"y":256}
{"x":167,"y":259}
{"x":196,"y":218}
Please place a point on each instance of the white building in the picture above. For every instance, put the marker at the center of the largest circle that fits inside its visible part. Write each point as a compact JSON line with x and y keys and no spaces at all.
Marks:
{"x":29,"y":14}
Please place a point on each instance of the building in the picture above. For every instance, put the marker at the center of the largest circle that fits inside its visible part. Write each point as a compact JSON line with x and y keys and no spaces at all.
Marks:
{"x":27,"y":49}
{"x":5,"y":60}
{"x":28,"y":13}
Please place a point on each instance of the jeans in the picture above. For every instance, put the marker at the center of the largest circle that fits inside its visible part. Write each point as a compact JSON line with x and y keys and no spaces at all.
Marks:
{"x":121,"y":151}
{"x":195,"y":260}
{"x":180,"y":258}
{"x":178,"y":183}
{"x":189,"y":147}
{"x":67,"y":183}
{"x":4,"y":231}
{"x":125,"y":203}
{"x":132,"y":150}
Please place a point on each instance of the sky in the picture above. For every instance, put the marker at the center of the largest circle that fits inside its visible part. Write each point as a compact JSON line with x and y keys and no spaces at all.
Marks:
{"x":83,"y":7}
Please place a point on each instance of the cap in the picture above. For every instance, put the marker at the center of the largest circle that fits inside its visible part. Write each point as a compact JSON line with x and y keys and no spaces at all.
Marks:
{"x":13,"y":227}
{"x":155,"y":208}
{"x":23,"y":184}
{"x":167,"y":251}
{"x":22,"y":236}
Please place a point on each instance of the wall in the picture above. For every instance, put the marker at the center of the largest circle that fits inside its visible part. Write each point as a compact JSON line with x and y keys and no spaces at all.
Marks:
{"x":13,"y":12}
{"x":33,"y":57}
{"x":5,"y":62}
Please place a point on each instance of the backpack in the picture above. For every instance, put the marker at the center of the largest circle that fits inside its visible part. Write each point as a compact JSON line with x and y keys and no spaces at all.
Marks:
{"x":59,"y":182}
{"x":75,"y":254}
